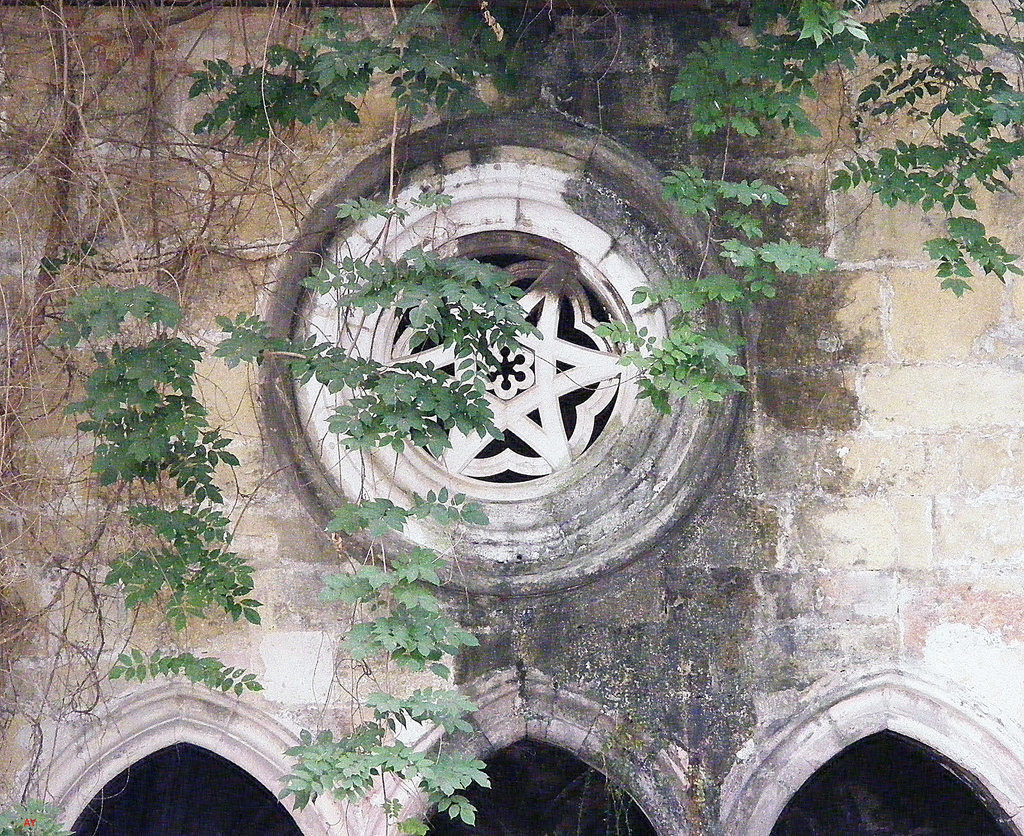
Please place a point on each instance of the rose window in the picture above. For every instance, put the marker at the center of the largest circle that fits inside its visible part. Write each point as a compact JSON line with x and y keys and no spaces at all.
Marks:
{"x":586,"y":472}
{"x":553,"y":395}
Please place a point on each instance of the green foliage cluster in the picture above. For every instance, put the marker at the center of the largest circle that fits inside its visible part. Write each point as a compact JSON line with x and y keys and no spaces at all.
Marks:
{"x":150,"y":429}
{"x":379,"y":517}
{"x":406,"y":623}
{"x":694,"y":360}
{"x":469,"y":308}
{"x":924,"y":63}
{"x":456,"y":303}
{"x":928,"y":60}
{"x":33,"y":818}
{"x":428,"y":62}
{"x":205,"y":670}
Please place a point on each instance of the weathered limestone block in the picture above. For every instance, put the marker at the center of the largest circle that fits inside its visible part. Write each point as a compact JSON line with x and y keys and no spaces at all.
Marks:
{"x":981,"y":530}
{"x":942,"y":397}
{"x":990,"y":461}
{"x":908,"y":462}
{"x":856,"y":532}
{"x":982,"y":662}
{"x":867,"y":233}
{"x":861,"y":596}
{"x":298,"y":666}
{"x":928,"y":323}
{"x":859,"y":319}
{"x":914,"y":531}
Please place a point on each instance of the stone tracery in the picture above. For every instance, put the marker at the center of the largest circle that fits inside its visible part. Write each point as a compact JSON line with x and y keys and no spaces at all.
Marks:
{"x":552,"y":397}
{"x":587,"y":472}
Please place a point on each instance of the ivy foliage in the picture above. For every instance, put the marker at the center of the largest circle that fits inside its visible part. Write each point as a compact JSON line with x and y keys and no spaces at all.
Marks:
{"x":380,"y":517}
{"x":470,"y":308}
{"x":32,"y":818}
{"x":927,"y":63}
{"x":458,"y":303}
{"x":350,"y":767}
{"x":150,"y":429}
{"x":406,"y":622}
{"x":192,"y":564}
{"x":427,"y":61}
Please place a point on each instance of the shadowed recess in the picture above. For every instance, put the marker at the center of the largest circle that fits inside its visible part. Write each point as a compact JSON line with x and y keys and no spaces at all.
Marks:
{"x":185,"y":790}
{"x":890,"y":785}
{"x":541,"y":790}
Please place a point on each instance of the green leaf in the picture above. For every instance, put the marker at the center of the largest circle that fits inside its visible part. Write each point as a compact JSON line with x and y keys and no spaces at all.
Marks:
{"x":100,"y":311}
{"x":206,"y":670}
{"x":325,"y":80}
{"x":958,"y":286}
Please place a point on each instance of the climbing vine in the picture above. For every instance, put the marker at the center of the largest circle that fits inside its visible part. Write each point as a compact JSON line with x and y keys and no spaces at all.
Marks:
{"x":151,"y":430}
{"x":930,"y":63}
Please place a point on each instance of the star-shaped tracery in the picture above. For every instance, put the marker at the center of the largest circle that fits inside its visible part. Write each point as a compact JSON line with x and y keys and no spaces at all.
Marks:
{"x":553,"y":397}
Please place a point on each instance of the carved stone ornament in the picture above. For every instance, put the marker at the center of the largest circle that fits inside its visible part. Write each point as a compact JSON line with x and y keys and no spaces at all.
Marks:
{"x":586,"y":472}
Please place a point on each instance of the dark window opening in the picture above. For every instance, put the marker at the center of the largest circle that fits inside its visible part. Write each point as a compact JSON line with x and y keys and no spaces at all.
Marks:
{"x":541,"y":790}
{"x":890,"y":785}
{"x":185,"y":790}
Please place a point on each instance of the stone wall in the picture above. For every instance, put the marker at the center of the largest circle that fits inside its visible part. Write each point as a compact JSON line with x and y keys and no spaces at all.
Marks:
{"x":853,"y":562}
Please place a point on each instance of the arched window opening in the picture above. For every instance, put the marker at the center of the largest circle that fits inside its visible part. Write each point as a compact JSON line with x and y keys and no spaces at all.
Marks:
{"x":185,"y":790}
{"x":890,"y":785}
{"x":541,"y":790}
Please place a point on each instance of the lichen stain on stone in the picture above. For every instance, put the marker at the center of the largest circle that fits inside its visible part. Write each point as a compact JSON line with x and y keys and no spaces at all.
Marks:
{"x":729,"y":529}
{"x":793,"y":323}
{"x":712,"y":621}
{"x":801,"y":374}
{"x":809,"y":400}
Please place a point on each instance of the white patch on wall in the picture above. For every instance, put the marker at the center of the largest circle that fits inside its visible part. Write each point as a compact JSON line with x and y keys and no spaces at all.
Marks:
{"x":982,"y":661}
{"x":298,"y":667}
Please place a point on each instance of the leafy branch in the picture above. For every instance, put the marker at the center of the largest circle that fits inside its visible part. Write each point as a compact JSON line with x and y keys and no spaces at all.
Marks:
{"x":694,"y":360}
{"x":205,"y":670}
{"x":927,"y":64}
{"x":455,"y":303}
{"x":427,"y":62}
{"x":150,"y":428}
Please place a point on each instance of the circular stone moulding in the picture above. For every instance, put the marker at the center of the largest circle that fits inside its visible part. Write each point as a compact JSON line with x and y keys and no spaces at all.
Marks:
{"x":587,"y":473}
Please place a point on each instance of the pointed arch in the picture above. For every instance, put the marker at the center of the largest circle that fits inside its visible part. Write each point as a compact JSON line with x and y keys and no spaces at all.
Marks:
{"x":539,"y":788}
{"x":167,"y":714}
{"x":886,"y":783}
{"x":184,"y":788}
{"x":832,"y":716}
{"x":513,"y":706}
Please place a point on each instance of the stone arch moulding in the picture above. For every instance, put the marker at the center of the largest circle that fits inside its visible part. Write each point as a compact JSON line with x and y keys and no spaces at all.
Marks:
{"x":512,"y":706}
{"x":579,"y":201}
{"x":832,"y":717}
{"x":146,"y":722}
